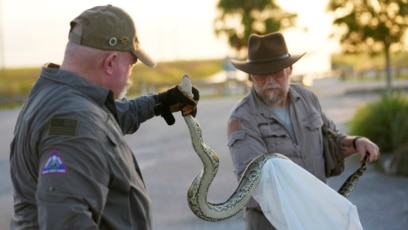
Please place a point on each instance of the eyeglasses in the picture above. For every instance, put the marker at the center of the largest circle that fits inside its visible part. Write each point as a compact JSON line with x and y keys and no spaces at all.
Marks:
{"x":275,"y":75}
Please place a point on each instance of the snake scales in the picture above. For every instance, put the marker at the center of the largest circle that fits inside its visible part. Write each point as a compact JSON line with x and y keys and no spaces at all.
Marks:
{"x":198,"y":190}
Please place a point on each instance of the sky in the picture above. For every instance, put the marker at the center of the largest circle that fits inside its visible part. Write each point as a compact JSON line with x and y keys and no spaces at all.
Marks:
{"x":34,"y":32}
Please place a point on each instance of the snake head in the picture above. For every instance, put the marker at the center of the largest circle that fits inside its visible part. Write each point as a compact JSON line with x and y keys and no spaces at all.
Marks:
{"x":186,"y":86}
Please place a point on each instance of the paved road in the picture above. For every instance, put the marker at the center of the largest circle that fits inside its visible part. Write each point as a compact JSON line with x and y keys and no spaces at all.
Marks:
{"x":169,"y":164}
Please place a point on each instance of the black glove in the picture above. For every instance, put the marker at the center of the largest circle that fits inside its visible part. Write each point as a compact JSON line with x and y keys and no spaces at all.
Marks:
{"x":172,"y":101}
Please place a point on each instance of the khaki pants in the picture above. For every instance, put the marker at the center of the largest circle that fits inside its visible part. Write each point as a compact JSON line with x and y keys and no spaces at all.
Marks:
{"x":255,"y":220}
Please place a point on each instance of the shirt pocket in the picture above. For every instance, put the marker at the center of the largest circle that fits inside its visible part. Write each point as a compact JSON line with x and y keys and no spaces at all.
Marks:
{"x":313,"y":123}
{"x":276,"y":138}
{"x":312,"y":140}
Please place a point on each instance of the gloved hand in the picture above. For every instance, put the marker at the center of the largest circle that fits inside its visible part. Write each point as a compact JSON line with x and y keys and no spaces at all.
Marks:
{"x":173,"y":100}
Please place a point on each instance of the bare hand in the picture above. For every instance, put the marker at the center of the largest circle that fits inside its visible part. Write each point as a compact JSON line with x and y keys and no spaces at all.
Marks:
{"x":365,"y":146}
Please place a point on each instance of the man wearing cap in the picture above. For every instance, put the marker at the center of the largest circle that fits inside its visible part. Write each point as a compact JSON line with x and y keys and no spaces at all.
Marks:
{"x":70,"y":165}
{"x":276,"y":116}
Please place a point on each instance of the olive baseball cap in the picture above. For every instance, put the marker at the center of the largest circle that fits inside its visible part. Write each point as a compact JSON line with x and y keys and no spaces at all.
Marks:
{"x":108,"y":28}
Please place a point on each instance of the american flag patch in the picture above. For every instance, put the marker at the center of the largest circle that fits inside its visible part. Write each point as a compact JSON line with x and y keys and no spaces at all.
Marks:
{"x":62,"y":126}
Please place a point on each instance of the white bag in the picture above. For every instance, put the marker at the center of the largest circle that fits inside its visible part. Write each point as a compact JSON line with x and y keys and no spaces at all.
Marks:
{"x":293,"y":199}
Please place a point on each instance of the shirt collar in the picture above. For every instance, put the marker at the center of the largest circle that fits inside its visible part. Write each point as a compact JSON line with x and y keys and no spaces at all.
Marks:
{"x":97,"y":93}
{"x":266,"y":109}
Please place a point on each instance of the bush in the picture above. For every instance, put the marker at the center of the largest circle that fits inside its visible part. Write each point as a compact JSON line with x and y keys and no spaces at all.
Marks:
{"x":385,"y":122}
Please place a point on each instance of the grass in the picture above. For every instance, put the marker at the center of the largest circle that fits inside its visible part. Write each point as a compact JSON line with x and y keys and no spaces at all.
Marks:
{"x":369,"y":67}
{"x":366,"y":61}
{"x":171,"y":72}
{"x":16,"y":83}
{"x":21,"y":79}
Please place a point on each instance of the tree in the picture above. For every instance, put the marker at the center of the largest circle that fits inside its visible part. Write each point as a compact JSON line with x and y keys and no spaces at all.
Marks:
{"x":376,"y":26}
{"x":239,"y":19}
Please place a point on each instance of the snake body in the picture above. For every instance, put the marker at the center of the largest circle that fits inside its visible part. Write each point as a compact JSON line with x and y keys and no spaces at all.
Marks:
{"x":198,"y":190}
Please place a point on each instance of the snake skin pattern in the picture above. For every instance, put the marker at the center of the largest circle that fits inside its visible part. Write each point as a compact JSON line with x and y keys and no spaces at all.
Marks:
{"x":198,"y":190}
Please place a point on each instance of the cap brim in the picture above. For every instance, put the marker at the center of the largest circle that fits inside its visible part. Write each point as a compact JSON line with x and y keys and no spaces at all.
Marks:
{"x":265,"y":67}
{"x":144,"y":58}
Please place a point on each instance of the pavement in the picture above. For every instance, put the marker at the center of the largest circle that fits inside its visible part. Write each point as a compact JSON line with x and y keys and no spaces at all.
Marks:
{"x":381,"y":199}
{"x":169,"y":164}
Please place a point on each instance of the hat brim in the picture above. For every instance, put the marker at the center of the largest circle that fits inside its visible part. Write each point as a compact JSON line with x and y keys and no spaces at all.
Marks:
{"x":144,"y":58}
{"x":265,"y":67}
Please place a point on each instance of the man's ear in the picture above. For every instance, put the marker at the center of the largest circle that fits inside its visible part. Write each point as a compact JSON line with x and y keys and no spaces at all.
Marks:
{"x":109,"y":62}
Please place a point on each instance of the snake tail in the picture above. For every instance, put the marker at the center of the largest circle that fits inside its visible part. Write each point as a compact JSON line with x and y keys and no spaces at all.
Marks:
{"x":347,"y":187}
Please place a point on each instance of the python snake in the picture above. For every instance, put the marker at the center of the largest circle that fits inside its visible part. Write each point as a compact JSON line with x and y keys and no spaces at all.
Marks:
{"x":198,"y":190}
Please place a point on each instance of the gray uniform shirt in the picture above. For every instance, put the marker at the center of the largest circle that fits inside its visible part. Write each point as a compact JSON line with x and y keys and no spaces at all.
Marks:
{"x":253,"y":129}
{"x":70,"y":165}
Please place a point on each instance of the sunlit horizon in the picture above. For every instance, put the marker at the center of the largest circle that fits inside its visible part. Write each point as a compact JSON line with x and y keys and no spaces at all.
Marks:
{"x":168,"y":30}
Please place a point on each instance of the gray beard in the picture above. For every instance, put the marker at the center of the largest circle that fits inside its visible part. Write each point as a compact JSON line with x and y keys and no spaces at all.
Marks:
{"x":273,"y":99}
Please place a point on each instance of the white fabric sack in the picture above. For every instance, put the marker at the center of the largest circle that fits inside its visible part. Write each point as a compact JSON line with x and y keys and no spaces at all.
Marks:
{"x":293,"y":199}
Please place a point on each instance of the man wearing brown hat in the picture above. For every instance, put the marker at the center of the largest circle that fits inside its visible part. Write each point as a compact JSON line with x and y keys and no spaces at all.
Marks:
{"x":71,"y":167}
{"x":277,"y":116}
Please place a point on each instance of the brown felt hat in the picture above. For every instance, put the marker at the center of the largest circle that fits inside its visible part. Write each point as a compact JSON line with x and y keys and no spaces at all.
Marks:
{"x":266,"y":54}
{"x":108,"y":28}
